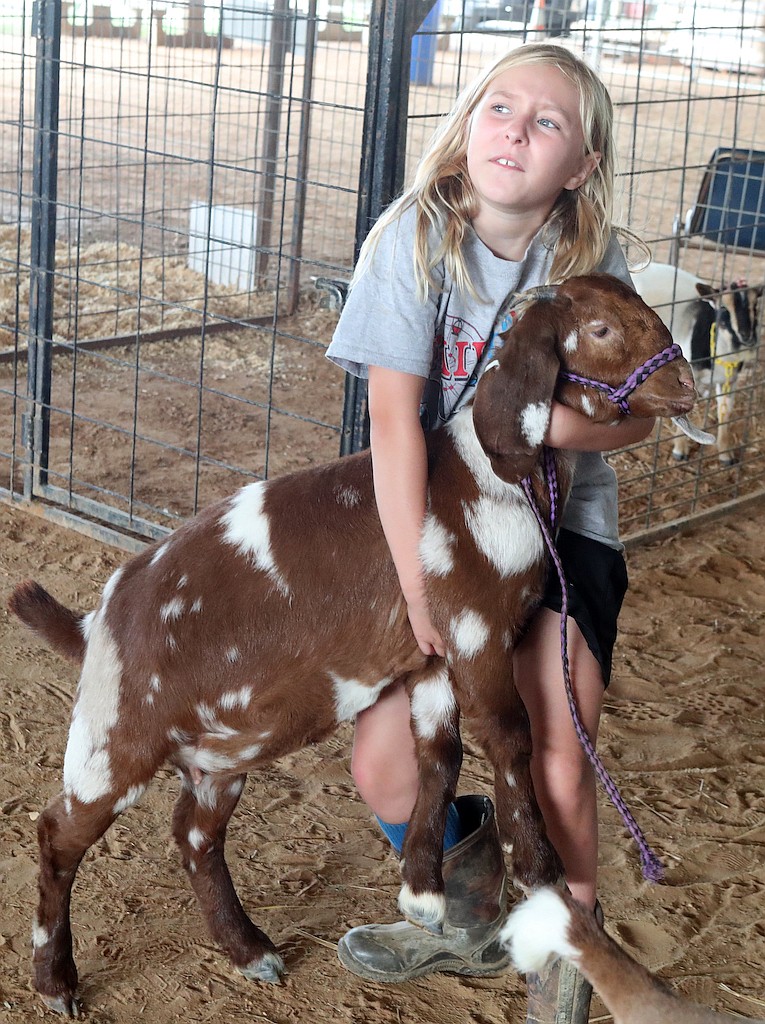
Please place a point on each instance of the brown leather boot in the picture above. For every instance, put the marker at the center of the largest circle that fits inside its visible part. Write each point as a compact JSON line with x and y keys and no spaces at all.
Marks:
{"x":475,"y":888}
{"x":559,"y":994}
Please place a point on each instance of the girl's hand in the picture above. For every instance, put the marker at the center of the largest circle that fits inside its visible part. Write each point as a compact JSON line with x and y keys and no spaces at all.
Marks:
{"x":425,"y":633}
{"x":571,"y":429}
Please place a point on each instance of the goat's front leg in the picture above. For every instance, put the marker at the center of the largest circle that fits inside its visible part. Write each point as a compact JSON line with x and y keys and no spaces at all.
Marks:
{"x":435,"y":725}
{"x":200,"y":818}
{"x":724,"y":403}
{"x":500,"y":723}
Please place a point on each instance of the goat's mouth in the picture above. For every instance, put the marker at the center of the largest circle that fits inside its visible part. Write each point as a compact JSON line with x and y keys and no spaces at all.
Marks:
{"x":661,"y":405}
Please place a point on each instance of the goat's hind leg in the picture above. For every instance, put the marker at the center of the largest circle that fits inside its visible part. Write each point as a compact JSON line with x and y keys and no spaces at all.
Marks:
{"x":200,"y":819}
{"x":66,"y":830}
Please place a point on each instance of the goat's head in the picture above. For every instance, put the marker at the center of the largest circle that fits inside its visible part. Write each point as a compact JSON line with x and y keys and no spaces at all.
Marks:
{"x":596,"y":328}
{"x":737,"y":311}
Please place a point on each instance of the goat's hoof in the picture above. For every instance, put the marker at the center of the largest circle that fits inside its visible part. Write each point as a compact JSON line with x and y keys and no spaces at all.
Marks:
{"x":728,"y":461}
{"x":425,"y":909}
{"x":65,"y":1004}
{"x":681,"y":456}
{"x":269,"y":967}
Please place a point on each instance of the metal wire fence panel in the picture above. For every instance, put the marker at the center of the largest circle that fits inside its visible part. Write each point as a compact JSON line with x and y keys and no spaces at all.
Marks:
{"x":205,"y":192}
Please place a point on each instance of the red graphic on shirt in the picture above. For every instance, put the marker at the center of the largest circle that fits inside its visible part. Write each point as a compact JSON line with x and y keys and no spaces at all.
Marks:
{"x":463,"y":347}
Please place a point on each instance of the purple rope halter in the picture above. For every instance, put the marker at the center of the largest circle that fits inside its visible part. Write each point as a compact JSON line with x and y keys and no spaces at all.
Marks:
{"x":619,"y":395}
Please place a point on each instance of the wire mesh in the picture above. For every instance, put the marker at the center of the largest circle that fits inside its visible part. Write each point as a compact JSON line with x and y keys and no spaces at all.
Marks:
{"x":208,"y":180}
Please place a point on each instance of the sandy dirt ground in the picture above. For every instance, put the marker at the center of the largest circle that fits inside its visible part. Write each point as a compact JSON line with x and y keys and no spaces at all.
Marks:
{"x":683,"y":734}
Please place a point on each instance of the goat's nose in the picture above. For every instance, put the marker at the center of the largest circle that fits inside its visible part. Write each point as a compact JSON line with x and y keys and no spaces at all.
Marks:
{"x":686,"y":379}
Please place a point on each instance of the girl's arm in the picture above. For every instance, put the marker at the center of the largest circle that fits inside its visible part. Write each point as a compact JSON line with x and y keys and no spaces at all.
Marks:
{"x":400,"y":466}
{"x":577,"y":432}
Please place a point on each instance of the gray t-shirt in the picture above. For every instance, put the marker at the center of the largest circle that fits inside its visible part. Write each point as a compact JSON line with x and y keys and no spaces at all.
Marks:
{"x":384,"y":323}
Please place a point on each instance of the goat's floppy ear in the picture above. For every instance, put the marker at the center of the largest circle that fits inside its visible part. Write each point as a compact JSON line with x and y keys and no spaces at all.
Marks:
{"x":511,"y":410}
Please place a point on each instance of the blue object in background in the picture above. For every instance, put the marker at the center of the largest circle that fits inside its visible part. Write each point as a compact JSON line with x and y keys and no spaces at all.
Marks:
{"x":424,"y":44}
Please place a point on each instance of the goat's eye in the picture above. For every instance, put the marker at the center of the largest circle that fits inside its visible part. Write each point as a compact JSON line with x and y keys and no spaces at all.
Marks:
{"x":602,"y":331}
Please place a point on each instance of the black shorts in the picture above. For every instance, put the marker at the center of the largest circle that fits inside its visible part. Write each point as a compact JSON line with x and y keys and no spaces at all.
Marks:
{"x":596,"y":581}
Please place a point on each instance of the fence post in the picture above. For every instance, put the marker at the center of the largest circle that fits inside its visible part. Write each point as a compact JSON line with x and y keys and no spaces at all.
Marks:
{"x":47,"y":29}
{"x":392,"y":24}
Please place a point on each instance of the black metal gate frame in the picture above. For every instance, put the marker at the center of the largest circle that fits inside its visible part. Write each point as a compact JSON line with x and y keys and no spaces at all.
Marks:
{"x":391,"y":29}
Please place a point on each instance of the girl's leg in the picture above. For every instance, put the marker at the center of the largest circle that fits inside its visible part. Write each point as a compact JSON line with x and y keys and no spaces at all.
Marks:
{"x":564,"y":782}
{"x":384,"y":763}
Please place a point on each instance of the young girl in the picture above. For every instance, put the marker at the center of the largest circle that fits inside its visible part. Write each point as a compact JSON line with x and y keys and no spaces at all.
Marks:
{"x":515,"y":190}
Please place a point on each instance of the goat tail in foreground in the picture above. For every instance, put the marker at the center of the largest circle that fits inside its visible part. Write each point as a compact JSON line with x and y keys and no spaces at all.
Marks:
{"x":61,"y":627}
{"x":551,"y":924}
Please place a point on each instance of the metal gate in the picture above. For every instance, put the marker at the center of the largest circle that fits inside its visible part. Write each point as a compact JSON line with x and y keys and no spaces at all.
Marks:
{"x":184,"y":186}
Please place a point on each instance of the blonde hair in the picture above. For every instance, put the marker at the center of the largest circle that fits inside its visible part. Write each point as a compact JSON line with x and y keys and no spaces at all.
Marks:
{"x":581,"y":221}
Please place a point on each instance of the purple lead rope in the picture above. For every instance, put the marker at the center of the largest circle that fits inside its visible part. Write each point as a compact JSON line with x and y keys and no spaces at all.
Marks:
{"x":653,"y":869}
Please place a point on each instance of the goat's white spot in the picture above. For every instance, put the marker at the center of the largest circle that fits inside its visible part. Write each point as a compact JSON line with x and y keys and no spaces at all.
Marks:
{"x":507,"y":534}
{"x":176,"y":735}
{"x":109,"y":588}
{"x":588,"y":406}
{"x":436,"y":547}
{"x":537,"y":930}
{"x":348,"y":496}
{"x":155,"y":683}
{"x":251,"y":752}
{"x":87,"y":769}
{"x":433,"y":705}
{"x":233,"y":654}
{"x":192,"y":866}
{"x":206,"y":793}
{"x":172,"y":609}
{"x":507,"y":847}
{"x":196,"y":606}
{"x":428,"y":908}
{"x":182,"y":581}
{"x":511,"y":780}
{"x":247,"y":527}
{"x":68,"y":805}
{"x":132,"y":796}
{"x":149,"y":699}
{"x":516,"y":815}
{"x":534,"y":420}
{"x":351,"y":696}
{"x":171,"y":642}
{"x":40,"y":935}
{"x":213,"y":724}
{"x":205,"y":760}
{"x":268,"y":967}
{"x":235,"y":788}
{"x":161,"y":550}
{"x":235,"y":699}
{"x":86,"y":624}
{"x":395,"y":612}
{"x":469,"y":631}
{"x":571,"y":342}
{"x":197,"y":838}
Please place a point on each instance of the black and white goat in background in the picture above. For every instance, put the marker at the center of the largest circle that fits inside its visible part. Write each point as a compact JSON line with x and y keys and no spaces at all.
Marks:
{"x":718,"y":331}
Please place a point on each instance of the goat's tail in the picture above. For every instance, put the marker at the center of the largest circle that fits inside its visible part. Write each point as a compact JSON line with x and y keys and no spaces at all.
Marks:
{"x":58,"y":625}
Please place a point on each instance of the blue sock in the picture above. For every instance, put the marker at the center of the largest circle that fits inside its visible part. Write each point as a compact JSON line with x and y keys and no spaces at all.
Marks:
{"x":452,"y":835}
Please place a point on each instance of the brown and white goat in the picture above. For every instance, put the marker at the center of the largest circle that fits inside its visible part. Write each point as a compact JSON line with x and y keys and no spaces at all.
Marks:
{"x":275,"y":614}
{"x":550,"y":923}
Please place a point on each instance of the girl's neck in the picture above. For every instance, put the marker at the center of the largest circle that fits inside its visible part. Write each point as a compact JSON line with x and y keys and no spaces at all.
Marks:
{"x":507,"y":236}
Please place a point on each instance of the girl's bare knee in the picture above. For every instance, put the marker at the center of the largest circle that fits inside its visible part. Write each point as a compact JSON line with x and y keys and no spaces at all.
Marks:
{"x":384,"y":762}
